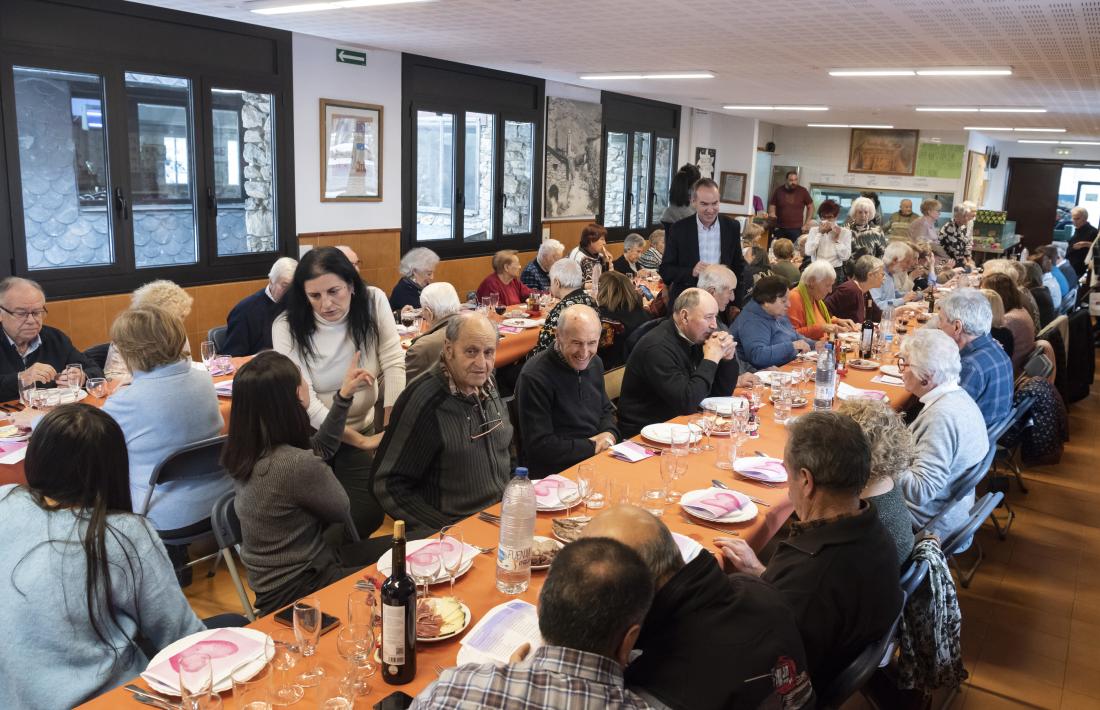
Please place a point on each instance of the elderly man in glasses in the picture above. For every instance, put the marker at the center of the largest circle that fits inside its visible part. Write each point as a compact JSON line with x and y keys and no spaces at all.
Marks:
{"x":445,"y":454}
{"x":34,"y":352}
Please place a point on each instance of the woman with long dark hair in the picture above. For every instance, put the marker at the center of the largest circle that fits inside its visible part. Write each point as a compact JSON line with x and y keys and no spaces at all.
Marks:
{"x":81,"y":576}
{"x":287,"y":496}
{"x":331,"y":315}
{"x":679,"y":195}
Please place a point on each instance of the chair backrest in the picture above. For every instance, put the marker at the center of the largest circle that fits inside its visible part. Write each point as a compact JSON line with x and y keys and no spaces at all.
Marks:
{"x":638,"y":334}
{"x":859,"y":671}
{"x":978,"y":514}
{"x":1041,"y":361}
{"x":224,"y":521}
{"x":98,"y":354}
{"x":963,"y":486}
{"x":217,"y":335}
{"x":201,"y":458}
{"x":913,"y":577}
{"x":613,"y":382}
{"x":1061,"y":324}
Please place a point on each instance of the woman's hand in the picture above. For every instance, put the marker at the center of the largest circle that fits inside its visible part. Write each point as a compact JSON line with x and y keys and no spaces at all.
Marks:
{"x":830,"y":328}
{"x":355,"y":378}
{"x":367,"y":443}
{"x":737,"y":556}
{"x":845,"y":323}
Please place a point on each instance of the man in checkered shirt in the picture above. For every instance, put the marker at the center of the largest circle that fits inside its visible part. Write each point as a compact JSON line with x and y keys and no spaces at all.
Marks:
{"x":590,"y":613}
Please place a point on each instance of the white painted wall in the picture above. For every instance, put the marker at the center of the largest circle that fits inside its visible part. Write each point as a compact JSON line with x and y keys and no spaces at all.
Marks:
{"x":1009,"y":148}
{"x":734,"y":138}
{"x":317,"y":75}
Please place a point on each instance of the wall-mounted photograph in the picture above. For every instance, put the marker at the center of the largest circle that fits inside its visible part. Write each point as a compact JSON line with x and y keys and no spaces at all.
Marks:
{"x":883,"y":151}
{"x":731,"y":188}
{"x":706,"y":159}
{"x":573,"y":138}
{"x":351,"y":152}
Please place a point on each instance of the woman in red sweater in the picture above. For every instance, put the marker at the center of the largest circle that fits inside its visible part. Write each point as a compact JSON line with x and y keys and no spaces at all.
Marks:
{"x":849,"y":299}
{"x":504,"y":281}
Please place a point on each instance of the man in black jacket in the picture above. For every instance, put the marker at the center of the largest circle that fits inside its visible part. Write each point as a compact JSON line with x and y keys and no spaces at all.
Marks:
{"x":705,"y":238}
{"x":248,"y":327}
{"x":29,"y":346}
{"x":564,"y":413}
{"x":1084,"y":234}
{"x":708,"y":641}
{"x":677,"y":364}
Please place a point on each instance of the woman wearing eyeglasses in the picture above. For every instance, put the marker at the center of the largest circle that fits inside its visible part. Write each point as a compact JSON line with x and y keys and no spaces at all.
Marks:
{"x":331,"y":314}
{"x":949,"y":432}
{"x":287,"y":496}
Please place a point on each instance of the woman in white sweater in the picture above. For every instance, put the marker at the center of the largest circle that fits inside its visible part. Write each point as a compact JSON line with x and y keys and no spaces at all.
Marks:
{"x":331,"y":315}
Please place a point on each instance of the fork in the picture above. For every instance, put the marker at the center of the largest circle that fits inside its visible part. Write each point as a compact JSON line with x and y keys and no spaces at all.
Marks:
{"x":484,"y":550}
{"x":489,"y":518}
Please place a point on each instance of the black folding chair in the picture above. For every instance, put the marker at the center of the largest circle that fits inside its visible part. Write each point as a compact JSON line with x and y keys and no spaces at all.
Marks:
{"x":963,"y":487}
{"x":227,"y":531}
{"x":1007,"y":454}
{"x":217,"y":335}
{"x":956,"y":541}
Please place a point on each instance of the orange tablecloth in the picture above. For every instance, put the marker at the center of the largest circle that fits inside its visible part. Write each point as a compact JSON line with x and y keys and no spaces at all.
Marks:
{"x":478,"y":587}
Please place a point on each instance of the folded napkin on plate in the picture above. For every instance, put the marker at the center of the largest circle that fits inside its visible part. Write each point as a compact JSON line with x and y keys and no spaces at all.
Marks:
{"x":224,"y":388}
{"x":227,"y":649}
{"x":770,"y":468}
{"x":630,"y":452}
{"x":888,"y":380}
{"x":548,"y":491}
{"x":509,"y":329}
{"x":718,"y":503}
{"x":846,"y":391}
{"x":425,"y":559}
{"x":216,"y":372}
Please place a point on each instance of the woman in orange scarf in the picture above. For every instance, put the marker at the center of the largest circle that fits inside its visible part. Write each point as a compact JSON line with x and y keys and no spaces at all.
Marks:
{"x":808,"y":313}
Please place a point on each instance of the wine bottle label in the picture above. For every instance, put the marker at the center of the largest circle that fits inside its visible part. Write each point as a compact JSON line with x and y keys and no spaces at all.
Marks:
{"x":393,"y":635}
{"x":512,"y":559}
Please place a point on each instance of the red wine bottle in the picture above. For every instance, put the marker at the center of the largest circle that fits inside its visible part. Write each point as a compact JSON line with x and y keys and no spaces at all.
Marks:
{"x":398,"y":616}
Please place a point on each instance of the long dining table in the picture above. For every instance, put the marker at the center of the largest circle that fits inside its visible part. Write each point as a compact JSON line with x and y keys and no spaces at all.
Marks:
{"x":477,"y":588}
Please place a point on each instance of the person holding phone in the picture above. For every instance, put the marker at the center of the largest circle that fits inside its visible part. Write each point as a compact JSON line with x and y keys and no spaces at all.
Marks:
{"x":829,"y":240}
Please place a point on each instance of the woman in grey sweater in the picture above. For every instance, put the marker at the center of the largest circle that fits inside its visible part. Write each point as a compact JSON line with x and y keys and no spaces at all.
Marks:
{"x":949,"y":431}
{"x":287,"y":494}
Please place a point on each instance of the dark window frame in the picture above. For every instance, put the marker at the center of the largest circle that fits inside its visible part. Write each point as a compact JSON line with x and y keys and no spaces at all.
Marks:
{"x":423,"y":89}
{"x":71,"y":29}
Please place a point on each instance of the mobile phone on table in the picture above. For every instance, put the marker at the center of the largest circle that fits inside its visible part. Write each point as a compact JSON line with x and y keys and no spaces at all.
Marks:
{"x":394,"y":701}
{"x":286,"y":618}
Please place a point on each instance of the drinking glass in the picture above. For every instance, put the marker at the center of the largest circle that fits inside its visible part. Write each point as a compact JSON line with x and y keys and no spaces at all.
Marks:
{"x":486,"y":304}
{"x":673,"y":468}
{"x":423,"y":575}
{"x":706,"y":423}
{"x":597,"y":493}
{"x":223,"y":364}
{"x":252,"y":688}
{"x":452,"y":553}
{"x":362,"y":606}
{"x":196,"y":680}
{"x":756,"y":394}
{"x":622,"y":493}
{"x":208,"y":352}
{"x":97,"y":386}
{"x":654,"y":494}
{"x":575,"y":496}
{"x":287,"y":652}
{"x":727,"y":451}
{"x":781,"y":404}
{"x":27,"y":387}
{"x":74,"y":378}
{"x":337,"y":692}
{"x":680,"y":439}
{"x":355,"y":643}
{"x":307,"y":629}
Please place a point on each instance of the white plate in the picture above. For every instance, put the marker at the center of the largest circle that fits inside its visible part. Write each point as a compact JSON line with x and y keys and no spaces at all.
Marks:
{"x":444,"y":637}
{"x":172,"y":649}
{"x":744,"y":466}
{"x":747,"y":512}
{"x":63,"y":396}
{"x":385,"y":566}
{"x":861,"y":364}
{"x":734,"y":403}
{"x":17,"y":438}
{"x":552,"y":502}
{"x":689,"y":549}
{"x":559,"y":543}
{"x":768,"y":376}
{"x":522,"y":322}
{"x":891,"y":370}
{"x":662,"y":433}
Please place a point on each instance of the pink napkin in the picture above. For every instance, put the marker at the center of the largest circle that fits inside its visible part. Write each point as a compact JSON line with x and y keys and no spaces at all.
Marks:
{"x":769,"y":469}
{"x":509,"y":329}
{"x":227,"y":649}
{"x":548,"y":491}
{"x":426,"y":559}
{"x":718,"y":504}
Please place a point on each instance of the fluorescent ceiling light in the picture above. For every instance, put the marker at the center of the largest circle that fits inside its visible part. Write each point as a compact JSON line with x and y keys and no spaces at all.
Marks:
{"x":871,"y":72}
{"x":322,"y":6}
{"x":845,"y":125}
{"x":1039,"y":130}
{"x":965,"y":71}
{"x":948,"y":109}
{"x":650,"y":75}
{"x":1079,"y":142}
{"x":1024,"y":140}
{"x":1012,"y":109}
{"x":984,"y":128}
{"x":775,"y":108}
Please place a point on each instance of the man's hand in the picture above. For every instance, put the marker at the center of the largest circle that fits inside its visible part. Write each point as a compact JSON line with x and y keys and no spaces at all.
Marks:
{"x":736,"y":554}
{"x":603,"y":441}
{"x":713,"y":348}
{"x":747,"y":379}
{"x":1081,"y":245}
{"x":698,"y":269}
{"x":40,"y":372}
{"x":520,"y":653}
{"x":846,"y":324}
{"x":801,"y":346}
{"x":912,"y":296}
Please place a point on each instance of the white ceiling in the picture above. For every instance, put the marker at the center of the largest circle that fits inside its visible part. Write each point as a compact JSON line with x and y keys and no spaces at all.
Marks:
{"x":763,"y":51}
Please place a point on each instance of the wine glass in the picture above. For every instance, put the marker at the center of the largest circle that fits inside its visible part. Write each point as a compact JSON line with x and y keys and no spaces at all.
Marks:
{"x":307,"y":629}
{"x":74,"y":378}
{"x":756,"y":394}
{"x":452,"y":553}
{"x":97,"y":387}
{"x":355,"y":643}
{"x":287,"y":653}
{"x":251,"y":687}
{"x":573,"y":496}
{"x":424,"y":574}
{"x":705,"y":423}
{"x":208,"y":352}
{"x":196,"y":680}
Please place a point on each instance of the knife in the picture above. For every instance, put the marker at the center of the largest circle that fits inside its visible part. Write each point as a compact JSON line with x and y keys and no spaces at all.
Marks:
{"x":162,"y":700}
{"x":150,"y":700}
{"x":754,"y":499}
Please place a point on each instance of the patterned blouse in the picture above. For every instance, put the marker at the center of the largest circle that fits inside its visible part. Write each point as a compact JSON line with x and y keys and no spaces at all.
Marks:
{"x":867,"y":239}
{"x":546,"y":335}
{"x":955,"y":240}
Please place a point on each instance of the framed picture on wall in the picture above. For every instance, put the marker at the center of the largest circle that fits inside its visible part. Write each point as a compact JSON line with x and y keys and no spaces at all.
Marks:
{"x":731,"y":188}
{"x":883,"y":151}
{"x":705,"y":160}
{"x":351,"y":152}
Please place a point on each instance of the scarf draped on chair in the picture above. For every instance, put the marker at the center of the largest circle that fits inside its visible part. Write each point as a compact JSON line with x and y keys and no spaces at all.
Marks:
{"x":812,"y":308}
{"x":930,"y":633}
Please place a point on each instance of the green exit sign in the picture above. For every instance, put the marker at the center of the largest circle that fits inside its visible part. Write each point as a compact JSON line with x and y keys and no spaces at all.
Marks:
{"x":351,"y":56}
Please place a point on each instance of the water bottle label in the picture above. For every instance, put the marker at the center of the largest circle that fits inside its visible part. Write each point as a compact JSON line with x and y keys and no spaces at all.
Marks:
{"x":393,"y":635}
{"x":513,"y":559}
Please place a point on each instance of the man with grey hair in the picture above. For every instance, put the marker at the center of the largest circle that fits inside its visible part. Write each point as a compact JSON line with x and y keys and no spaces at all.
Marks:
{"x":417,"y":270}
{"x":719,"y":281}
{"x":986,"y":372}
{"x":678,"y":363}
{"x":33,"y":352}
{"x":536,"y":275}
{"x":565,"y":415}
{"x":1084,"y":234}
{"x":566,"y":284}
{"x":439,"y":305}
{"x":248,"y":326}
{"x":445,"y":454}
{"x":633,"y":246}
{"x":734,"y":630}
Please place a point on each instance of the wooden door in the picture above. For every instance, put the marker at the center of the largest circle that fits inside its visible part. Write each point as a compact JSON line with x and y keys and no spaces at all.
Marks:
{"x":1032,"y":199}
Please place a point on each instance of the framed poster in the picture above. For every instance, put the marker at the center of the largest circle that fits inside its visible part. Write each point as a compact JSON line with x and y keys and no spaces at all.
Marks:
{"x":705,"y":160}
{"x":573,"y":158}
{"x":351,"y":152}
{"x":883,"y":151}
{"x":976,"y":182}
{"x":731,"y":188}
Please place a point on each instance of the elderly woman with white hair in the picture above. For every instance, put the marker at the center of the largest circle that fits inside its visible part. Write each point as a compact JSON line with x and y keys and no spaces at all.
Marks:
{"x":897,"y":287}
{"x":652,"y":257}
{"x":923,"y":229}
{"x":536,"y":275}
{"x":808,"y":313}
{"x":417,"y":271}
{"x":439,"y":306}
{"x":867,"y":237}
{"x":566,"y":284}
{"x":954,"y":234}
{"x":633,"y":246}
{"x":163,"y":294}
{"x":949,"y":432}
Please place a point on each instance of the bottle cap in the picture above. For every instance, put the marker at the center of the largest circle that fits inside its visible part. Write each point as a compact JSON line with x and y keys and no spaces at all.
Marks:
{"x":399,"y":528}
{"x":521,"y":471}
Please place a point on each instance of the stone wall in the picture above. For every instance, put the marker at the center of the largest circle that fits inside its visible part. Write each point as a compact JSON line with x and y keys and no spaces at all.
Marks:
{"x":259,"y":200}
{"x":519,"y":152}
{"x":615,"y":186}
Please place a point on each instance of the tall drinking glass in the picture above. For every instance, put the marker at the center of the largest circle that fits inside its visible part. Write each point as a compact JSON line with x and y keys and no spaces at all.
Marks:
{"x":196,"y":680}
{"x":287,"y":652}
{"x":452,"y":553}
{"x":307,"y":629}
{"x":251,"y":688}
{"x":74,"y":380}
{"x":27,"y":386}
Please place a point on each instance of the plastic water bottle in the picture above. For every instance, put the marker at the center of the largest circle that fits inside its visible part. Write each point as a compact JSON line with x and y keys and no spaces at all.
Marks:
{"x":597,"y":271}
{"x":517,"y":535}
{"x":825,"y":380}
{"x":886,"y":328}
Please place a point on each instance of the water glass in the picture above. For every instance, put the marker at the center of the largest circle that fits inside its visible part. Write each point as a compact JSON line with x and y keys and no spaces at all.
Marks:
{"x":673,"y":468}
{"x":781,"y":403}
{"x":680,"y":440}
{"x":597,"y":493}
{"x":287,"y":653}
{"x":74,"y":378}
{"x":486,"y":304}
{"x":97,"y":386}
{"x":307,"y":629}
{"x":361,"y":606}
{"x":251,"y":688}
{"x":756,"y":394}
{"x":208,"y":352}
{"x":27,"y":387}
{"x":223,"y":364}
{"x":654,"y":495}
{"x":196,"y":680}
{"x":726,"y":450}
{"x":622,"y":492}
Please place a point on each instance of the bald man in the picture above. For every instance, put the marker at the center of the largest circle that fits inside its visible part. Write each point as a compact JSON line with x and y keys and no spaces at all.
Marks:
{"x":708,"y":640}
{"x":565,"y":415}
{"x":350,"y":254}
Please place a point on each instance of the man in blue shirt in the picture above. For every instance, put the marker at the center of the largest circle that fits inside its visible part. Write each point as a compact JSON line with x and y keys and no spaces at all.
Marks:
{"x":986,"y":375}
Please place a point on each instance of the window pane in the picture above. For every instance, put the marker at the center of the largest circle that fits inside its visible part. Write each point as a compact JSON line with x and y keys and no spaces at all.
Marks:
{"x":477,"y":212}
{"x":160,"y":170}
{"x":662,"y":177}
{"x":614,"y":192}
{"x":639,"y":181}
{"x":519,"y":171}
{"x":244,"y":171}
{"x":67,"y":213}
{"x":435,"y":169}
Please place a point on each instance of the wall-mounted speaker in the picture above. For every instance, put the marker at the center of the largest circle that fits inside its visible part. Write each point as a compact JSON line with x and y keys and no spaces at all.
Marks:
{"x":769,"y":146}
{"x":994,"y":160}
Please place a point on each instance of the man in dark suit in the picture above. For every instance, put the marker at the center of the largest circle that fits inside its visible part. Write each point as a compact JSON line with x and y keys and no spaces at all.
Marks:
{"x":706,"y":238}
